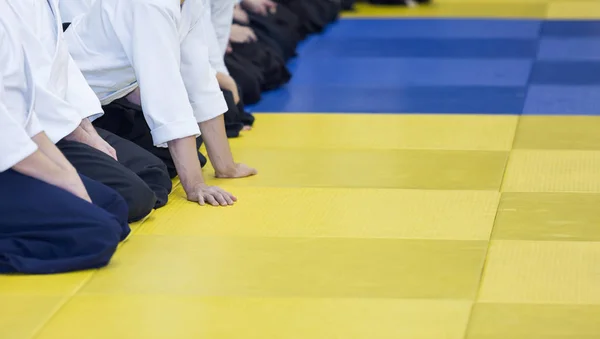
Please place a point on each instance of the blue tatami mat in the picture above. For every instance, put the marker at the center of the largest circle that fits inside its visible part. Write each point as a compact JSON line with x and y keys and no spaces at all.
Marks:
{"x":563,"y":100}
{"x":570,"y":49}
{"x":440,"y":28}
{"x":423,"y":48}
{"x":446,"y":66}
{"x":352,"y":99}
{"x":398,"y":72}
{"x":583,"y":28}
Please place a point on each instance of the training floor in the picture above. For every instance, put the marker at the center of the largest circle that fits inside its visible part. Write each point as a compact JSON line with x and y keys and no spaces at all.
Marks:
{"x":450,"y":190}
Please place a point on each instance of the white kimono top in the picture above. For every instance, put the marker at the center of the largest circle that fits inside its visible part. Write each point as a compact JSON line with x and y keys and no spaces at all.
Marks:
{"x":157,"y":45}
{"x":63,"y":97}
{"x":18,"y":122}
{"x":222,"y":18}
{"x":217,"y":22}
{"x":69,"y":9}
{"x":217,"y":32}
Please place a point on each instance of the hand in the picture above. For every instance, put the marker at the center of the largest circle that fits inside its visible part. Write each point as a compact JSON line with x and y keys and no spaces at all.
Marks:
{"x":240,"y":15}
{"x":238,"y":171}
{"x":262,"y":7}
{"x":100,"y":144}
{"x":72,"y":183}
{"x":241,"y":34}
{"x":227,"y":82}
{"x":92,"y":139}
{"x":213,"y":195}
{"x":229,"y":49}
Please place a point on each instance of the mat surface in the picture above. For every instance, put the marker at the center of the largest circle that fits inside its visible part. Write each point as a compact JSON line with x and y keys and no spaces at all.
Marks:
{"x":459,"y":199}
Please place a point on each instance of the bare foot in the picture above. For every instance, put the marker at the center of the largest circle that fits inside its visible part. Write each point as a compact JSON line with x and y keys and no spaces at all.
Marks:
{"x":247,"y":128}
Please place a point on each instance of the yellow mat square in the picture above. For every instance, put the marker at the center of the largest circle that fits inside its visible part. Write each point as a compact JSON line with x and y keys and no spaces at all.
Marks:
{"x":386,"y":131}
{"x":518,"y":321}
{"x":548,"y":216}
{"x":542,"y":272}
{"x":315,"y":212}
{"x":21,"y":316}
{"x":185,"y":317}
{"x":496,"y":2}
{"x":553,"y":171}
{"x":558,"y":132}
{"x":424,"y":169}
{"x":58,"y":284}
{"x":574,"y":10}
{"x":464,"y":9}
{"x":298,"y":267}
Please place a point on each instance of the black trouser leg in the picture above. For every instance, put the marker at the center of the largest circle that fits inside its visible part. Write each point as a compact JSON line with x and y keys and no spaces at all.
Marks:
{"x":127,"y":121}
{"x":100,"y":167}
{"x":143,"y":163}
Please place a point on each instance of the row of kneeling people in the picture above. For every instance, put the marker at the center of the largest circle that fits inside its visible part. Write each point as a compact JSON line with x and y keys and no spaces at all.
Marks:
{"x":102,"y":103}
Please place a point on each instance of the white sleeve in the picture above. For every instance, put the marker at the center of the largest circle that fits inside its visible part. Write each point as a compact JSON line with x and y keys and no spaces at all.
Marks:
{"x":205,"y":96}
{"x":80,"y":95}
{"x":15,"y":140}
{"x":16,"y":144}
{"x":222,"y":18}
{"x":150,"y":38}
{"x":216,"y":54}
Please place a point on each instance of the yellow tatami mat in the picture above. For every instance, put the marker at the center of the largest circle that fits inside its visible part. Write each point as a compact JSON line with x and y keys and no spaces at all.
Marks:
{"x":550,"y":9}
{"x":424,"y":234}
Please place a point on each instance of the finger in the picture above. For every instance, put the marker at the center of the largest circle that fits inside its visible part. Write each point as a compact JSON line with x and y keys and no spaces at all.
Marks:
{"x":114,"y":154}
{"x":211,"y":200}
{"x":221,"y":199}
{"x":228,"y":198}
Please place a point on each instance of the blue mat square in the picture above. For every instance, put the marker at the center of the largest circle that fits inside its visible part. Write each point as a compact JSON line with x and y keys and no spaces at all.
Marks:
{"x":583,"y":28}
{"x":433,"y":28}
{"x":340,"y":99}
{"x":431,"y":48}
{"x":563,"y":100}
{"x":399,"y":72}
{"x":569,"y":49}
{"x":565,"y":73}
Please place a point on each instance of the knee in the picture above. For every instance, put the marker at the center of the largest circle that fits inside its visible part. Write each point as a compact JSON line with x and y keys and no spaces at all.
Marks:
{"x":129,"y":200}
{"x":101,"y":243}
{"x":158,"y":179}
{"x":140,"y":200}
{"x":120,"y":214}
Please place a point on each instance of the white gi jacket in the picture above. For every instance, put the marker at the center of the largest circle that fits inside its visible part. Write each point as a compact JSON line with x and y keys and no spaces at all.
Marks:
{"x":158,"y":45}
{"x":18,"y":122}
{"x":69,"y":9}
{"x":217,"y":21}
{"x":222,"y":17}
{"x":214,"y":33}
{"x":63,"y":97}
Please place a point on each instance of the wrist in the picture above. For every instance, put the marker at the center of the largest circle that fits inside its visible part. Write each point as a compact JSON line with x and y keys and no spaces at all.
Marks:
{"x":77,"y":135}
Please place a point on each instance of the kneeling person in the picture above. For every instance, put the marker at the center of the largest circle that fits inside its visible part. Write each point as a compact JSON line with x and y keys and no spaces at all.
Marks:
{"x":65,"y":105}
{"x":52,"y":220}
{"x":159,"y":46}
